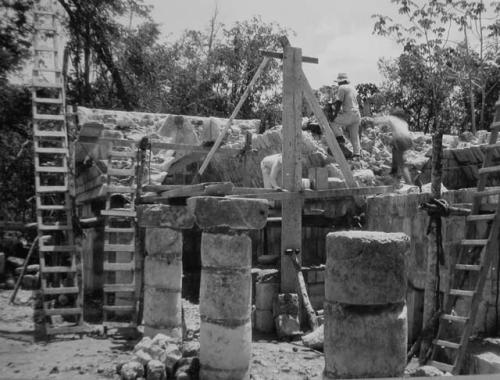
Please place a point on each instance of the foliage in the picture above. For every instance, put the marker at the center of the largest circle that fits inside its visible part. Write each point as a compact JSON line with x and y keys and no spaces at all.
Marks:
{"x":440,"y":82}
{"x":16,"y":153}
{"x":15,"y":38}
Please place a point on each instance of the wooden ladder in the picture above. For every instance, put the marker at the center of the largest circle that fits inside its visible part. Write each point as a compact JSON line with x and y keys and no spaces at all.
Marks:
{"x":61,"y":308}
{"x":475,"y":258}
{"x":121,"y":263}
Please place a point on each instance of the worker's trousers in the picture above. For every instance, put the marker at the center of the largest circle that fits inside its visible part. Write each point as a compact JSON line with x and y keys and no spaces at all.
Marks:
{"x":349,"y":121}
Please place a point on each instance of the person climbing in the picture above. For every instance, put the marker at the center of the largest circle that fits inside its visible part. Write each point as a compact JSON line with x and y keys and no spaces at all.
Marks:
{"x":346,"y":114}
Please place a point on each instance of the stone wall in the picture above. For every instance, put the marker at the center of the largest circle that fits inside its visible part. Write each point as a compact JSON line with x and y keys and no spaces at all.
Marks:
{"x":400,"y":213}
{"x":461,"y":166}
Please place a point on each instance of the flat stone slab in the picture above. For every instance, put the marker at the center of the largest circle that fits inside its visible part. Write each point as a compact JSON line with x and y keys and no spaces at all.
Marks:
{"x":366,"y":267}
{"x":233,"y":213}
{"x":177,"y":217}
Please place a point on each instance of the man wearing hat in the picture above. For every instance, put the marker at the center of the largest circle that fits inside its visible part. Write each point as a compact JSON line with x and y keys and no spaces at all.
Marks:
{"x":346,"y":112}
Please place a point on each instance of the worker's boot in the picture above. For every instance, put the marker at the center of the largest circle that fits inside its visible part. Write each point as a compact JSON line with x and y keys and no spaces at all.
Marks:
{"x":345,"y":150}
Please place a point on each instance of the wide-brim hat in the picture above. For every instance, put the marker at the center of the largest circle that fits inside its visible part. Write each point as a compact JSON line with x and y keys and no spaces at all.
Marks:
{"x":342,"y":77}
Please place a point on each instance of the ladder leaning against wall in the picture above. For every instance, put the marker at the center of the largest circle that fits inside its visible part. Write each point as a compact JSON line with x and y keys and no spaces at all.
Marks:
{"x":122,"y":261}
{"x":59,"y":309}
{"x":468,"y":277}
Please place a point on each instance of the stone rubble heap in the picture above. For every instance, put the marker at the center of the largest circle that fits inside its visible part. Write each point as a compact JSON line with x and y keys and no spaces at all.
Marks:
{"x":162,"y":358}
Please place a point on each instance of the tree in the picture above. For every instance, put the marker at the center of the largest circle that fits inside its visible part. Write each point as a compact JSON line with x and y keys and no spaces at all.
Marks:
{"x":16,"y":160}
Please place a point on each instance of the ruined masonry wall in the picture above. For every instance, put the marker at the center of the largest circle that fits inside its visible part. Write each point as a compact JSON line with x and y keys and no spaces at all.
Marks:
{"x":399,"y":213}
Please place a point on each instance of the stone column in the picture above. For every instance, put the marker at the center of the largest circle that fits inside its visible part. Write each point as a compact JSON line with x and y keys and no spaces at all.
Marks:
{"x":226,"y":285}
{"x":365,"y":309}
{"x":163,"y":267}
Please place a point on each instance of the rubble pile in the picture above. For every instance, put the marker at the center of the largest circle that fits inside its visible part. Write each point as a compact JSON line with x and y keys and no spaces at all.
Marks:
{"x":162,"y":358}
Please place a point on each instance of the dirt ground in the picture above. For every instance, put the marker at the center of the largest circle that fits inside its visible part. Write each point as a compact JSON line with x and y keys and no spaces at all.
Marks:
{"x":94,"y":357}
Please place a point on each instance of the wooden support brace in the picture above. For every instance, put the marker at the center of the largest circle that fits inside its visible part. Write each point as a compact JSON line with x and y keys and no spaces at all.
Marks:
{"x":233,"y":116}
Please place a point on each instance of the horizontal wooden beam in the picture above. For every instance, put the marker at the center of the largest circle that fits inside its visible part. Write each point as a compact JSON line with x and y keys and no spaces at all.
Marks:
{"x":277,"y":55}
{"x":321,"y":194}
{"x":273,"y":54}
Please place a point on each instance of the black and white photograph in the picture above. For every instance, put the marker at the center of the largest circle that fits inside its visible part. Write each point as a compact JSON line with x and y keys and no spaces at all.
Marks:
{"x":249,"y":189}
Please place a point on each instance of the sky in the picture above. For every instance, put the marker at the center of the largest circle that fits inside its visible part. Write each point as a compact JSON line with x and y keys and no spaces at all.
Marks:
{"x":337,"y":32}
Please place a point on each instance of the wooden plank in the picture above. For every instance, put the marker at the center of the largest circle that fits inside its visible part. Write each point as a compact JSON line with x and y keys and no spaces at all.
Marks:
{"x":319,"y":194}
{"x":327,"y":132}
{"x":277,"y":55}
{"x":233,"y":116}
{"x":291,"y":226}
{"x":63,"y":311}
{"x":120,"y":212}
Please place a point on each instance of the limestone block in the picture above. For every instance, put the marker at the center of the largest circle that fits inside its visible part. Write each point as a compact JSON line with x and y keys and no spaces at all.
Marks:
{"x":234,"y":213}
{"x":229,"y":353}
{"x":264,"y":321}
{"x":174,"y":333}
{"x":131,"y":370}
{"x":264,"y":295}
{"x":287,"y":325}
{"x":486,"y":363}
{"x":144,"y":344}
{"x":162,"y":273}
{"x":142,"y":357}
{"x":163,"y":242}
{"x":226,"y":251}
{"x":363,"y":342}
{"x":365,"y":267}
{"x":156,"y":370}
{"x":221,"y":301}
{"x":177,"y":217}
{"x":190,"y":349}
{"x":188,"y":369}
{"x":162,"y":310}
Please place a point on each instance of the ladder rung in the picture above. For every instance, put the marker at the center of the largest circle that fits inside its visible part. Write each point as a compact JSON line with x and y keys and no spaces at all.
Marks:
{"x":110,"y":267}
{"x":46,"y":85}
{"x":480,"y":218}
{"x":57,"y":248}
{"x":44,"y":13}
{"x":78,"y":329}
{"x":45,"y":70}
{"x":61,"y":290}
{"x":57,"y":269}
{"x":442,"y":366}
{"x":454,"y":318}
{"x":48,"y":100}
{"x":54,"y":227}
{"x":445,"y":343}
{"x":46,"y":49}
{"x":119,"y":247}
{"x":39,"y":133}
{"x":118,"y":288}
{"x":119,"y":308}
{"x":51,"y":189}
{"x":121,"y":172}
{"x":489,"y":169}
{"x":474,"y":242}
{"x":123,"y":154}
{"x":460,"y":292}
{"x":119,"y":230}
{"x":51,"y":150}
{"x":52,"y":207}
{"x":51,"y":169}
{"x":63,"y":311}
{"x":119,"y":212}
{"x":44,"y":29}
{"x":468,"y":267}
{"x":39,"y":116}
{"x":486,"y":193}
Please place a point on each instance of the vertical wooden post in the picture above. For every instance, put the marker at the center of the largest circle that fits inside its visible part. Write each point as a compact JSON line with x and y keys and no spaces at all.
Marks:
{"x":291,"y":227}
